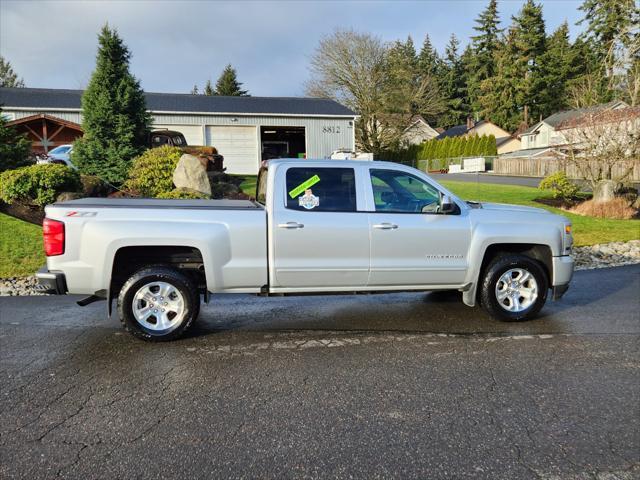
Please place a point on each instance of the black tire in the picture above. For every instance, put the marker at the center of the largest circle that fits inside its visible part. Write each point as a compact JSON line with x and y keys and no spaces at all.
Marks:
{"x":499,"y":266}
{"x":148,"y":275}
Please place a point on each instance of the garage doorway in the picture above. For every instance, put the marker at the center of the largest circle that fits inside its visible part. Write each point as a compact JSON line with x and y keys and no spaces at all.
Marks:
{"x":283,"y":142}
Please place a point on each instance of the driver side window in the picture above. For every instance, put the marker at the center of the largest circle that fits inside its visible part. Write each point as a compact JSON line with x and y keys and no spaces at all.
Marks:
{"x":399,"y":192}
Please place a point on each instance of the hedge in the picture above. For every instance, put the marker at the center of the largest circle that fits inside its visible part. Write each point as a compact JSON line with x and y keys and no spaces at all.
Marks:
{"x":38,"y":184}
{"x":449,"y":147}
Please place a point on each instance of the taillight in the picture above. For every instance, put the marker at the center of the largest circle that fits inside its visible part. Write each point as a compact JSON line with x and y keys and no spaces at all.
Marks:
{"x":53,"y":234}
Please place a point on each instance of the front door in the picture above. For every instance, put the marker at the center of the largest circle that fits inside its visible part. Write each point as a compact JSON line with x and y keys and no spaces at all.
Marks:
{"x":320,"y":240}
{"x":411,"y":242}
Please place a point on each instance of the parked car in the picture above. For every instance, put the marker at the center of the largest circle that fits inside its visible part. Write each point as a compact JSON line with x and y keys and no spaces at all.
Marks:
{"x":61,"y":154}
{"x":316,"y":226}
{"x":159,"y":138}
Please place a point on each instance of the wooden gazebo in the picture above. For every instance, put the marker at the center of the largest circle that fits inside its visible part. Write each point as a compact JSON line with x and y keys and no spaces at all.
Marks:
{"x":46,"y":131}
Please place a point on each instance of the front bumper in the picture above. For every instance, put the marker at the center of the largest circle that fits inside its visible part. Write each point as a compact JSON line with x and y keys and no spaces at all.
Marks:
{"x":51,"y":282}
{"x":562,"y":274}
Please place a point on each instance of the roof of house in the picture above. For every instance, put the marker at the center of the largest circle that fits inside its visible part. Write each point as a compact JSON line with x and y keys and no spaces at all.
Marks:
{"x":460,"y":130}
{"x":569,"y":115}
{"x":503,"y":140}
{"x":49,"y":98}
{"x":528,"y":152}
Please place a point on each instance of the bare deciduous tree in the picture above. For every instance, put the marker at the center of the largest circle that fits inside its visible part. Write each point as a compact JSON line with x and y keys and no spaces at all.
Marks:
{"x":353,"y":69}
{"x":604,"y":148}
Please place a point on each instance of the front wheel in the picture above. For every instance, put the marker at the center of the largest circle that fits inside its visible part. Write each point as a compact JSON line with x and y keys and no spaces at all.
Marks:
{"x":158,"y":304}
{"x":514,"y":287}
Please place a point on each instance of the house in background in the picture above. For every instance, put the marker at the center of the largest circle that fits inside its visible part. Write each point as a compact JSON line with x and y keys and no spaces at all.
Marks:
{"x":505,"y":142}
{"x":418,"y":131}
{"x":542,"y":137}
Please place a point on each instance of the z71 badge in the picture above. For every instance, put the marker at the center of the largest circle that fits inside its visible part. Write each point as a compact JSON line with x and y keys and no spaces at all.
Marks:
{"x":308,"y":200}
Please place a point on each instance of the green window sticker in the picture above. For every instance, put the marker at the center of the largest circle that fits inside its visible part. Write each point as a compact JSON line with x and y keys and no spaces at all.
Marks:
{"x":303,"y":186}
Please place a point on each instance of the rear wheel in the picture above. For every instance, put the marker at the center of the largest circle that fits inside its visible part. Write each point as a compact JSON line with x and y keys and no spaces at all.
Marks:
{"x":158,"y":304}
{"x":514,"y":288}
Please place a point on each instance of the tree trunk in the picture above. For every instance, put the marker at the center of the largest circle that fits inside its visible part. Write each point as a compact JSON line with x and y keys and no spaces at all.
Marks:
{"x":604,"y":191}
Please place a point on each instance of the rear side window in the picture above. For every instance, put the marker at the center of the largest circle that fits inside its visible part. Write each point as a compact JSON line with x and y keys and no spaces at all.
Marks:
{"x":321,"y":189}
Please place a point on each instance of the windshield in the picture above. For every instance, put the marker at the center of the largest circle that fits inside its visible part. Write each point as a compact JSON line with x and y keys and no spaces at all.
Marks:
{"x":61,"y":149}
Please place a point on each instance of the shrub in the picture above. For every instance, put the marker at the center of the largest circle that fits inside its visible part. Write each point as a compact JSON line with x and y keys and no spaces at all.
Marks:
{"x":38,"y":184}
{"x":14,"y":148}
{"x":152,"y":172}
{"x":617,"y":208}
{"x":560,"y":186}
{"x":182,"y":193}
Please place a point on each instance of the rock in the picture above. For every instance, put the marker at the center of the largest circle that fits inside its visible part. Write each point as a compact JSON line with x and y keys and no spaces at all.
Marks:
{"x":191,"y":173}
{"x":66,"y":196}
{"x":224,"y":190}
{"x":605,"y":190}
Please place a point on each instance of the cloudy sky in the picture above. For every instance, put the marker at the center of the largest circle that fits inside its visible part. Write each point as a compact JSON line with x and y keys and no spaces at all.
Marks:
{"x":178,"y":43}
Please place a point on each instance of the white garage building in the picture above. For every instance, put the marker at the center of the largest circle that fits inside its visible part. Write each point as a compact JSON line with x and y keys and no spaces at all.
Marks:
{"x":243,"y":129}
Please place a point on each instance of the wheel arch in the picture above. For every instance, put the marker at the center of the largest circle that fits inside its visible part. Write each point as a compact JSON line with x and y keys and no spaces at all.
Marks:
{"x":129,"y":259}
{"x":539,"y":252}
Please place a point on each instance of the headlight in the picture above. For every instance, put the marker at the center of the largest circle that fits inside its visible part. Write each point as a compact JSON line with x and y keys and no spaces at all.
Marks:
{"x":567,"y":239}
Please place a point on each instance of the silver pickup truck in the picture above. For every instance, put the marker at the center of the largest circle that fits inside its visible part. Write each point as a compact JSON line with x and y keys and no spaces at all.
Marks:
{"x":316,"y":226}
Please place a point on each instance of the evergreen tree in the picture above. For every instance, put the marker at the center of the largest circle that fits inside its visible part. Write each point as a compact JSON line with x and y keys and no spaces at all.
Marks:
{"x":529,"y":40}
{"x":9,"y":78}
{"x":609,"y":21}
{"x":228,"y":84}
{"x":401,"y":74}
{"x":115,"y":119}
{"x":14,"y":148}
{"x":428,"y":59}
{"x":453,"y":86}
{"x":499,"y":94}
{"x":194,"y":90}
{"x":557,"y":67}
{"x":484,"y":47}
{"x":208,"y":89}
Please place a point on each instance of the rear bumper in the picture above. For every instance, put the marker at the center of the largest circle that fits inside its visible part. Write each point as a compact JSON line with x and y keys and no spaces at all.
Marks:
{"x":51,"y":282}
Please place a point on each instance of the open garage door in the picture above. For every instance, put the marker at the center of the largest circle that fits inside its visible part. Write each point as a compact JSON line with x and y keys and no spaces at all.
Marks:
{"x":283,"y":142}
{"x":238,"y":146}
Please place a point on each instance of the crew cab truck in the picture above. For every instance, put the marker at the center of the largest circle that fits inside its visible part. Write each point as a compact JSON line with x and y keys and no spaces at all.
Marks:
{"x":316,"y":226}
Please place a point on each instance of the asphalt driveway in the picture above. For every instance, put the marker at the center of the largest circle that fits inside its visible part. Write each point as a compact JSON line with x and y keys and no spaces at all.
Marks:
{"x":372,"y":386}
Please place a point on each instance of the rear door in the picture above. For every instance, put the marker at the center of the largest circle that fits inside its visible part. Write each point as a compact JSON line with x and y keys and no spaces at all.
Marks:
{"x":320,"y":240}
{"x":411,"y":242}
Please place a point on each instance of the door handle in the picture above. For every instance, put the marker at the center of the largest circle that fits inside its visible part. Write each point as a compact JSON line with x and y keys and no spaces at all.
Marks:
{"x":290,"y":225}
{"x":385,"y":226}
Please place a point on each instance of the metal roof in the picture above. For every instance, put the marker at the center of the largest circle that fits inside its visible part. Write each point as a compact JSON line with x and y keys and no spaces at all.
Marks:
{"x":50,"y":98}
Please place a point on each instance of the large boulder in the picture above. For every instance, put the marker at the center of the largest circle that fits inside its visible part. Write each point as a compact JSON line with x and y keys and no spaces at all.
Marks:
{"x":191,"y":173}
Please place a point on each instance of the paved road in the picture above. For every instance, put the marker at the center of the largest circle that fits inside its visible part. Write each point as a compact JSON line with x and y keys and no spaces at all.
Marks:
{"x":372,"y":386}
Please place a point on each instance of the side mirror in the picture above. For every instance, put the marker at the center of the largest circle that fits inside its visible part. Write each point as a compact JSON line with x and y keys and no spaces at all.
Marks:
{"x":447,"y":205}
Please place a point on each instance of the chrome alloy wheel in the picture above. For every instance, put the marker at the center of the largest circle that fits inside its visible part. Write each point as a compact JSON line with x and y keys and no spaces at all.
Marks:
{"x":516,"y":290}
{"x":158,"y":306}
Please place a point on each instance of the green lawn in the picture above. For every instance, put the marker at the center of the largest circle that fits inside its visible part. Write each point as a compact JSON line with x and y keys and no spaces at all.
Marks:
{"x":21,"y":250}
{"x":586,"y":230}
{"x":248,"y":186}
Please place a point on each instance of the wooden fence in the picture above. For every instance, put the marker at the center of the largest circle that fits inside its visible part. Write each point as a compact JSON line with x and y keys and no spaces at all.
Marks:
{"x":543,"y":166}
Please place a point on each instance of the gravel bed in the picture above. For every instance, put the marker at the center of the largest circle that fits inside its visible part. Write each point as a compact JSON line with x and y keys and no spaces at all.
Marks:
{"x":605,"y":255}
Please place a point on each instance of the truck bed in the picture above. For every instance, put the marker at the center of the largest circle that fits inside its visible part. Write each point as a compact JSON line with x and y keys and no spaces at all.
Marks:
{"x":160,"y":203}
